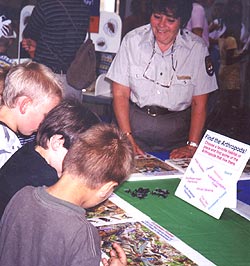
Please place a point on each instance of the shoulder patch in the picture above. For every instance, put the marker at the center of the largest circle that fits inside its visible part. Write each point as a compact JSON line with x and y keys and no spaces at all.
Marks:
{"x":209,"y":65}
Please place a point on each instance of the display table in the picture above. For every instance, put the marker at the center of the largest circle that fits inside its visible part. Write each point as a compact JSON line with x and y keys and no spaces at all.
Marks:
{"x":224,"y":242}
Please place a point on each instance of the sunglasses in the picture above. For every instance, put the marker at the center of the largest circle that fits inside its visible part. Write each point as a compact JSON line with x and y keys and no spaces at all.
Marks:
{"x":174,"y":66}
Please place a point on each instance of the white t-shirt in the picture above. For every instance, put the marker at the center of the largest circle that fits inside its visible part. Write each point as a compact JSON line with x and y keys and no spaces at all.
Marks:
{"x":198,"y":20}
{"x":9,"y":144}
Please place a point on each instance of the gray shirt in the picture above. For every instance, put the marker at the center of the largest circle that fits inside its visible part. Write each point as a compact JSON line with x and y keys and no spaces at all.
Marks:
{"x":38,"y":229}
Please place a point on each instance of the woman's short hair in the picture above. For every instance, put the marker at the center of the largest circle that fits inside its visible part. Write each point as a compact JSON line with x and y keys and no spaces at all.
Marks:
{"x":174,"y":8}
{"x":100,"y":155}
{"x":69,"y":118}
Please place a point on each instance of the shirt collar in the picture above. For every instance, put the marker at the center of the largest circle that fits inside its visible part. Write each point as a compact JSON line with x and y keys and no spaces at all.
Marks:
{"x":147,"y":40}
{"x":184,"y":40}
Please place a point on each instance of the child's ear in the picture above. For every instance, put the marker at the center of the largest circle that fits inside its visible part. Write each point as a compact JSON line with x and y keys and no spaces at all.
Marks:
{"x":24,"y":103}
{"x":56,"y":142}
{"x":107,"y":189}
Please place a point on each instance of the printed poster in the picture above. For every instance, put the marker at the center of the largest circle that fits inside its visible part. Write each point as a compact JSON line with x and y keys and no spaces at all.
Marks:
{"x":144,"y":241}
{"x":210,"y":181}
{"x":94,"y":6}
{"x":141,"y":245}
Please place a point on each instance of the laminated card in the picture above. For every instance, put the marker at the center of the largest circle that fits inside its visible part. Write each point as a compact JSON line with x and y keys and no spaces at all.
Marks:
{"x":149,"y":167}
{"x":210,"y":181}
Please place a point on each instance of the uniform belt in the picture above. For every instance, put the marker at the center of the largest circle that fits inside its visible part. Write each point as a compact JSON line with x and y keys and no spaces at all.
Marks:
{"x":153,"y":110}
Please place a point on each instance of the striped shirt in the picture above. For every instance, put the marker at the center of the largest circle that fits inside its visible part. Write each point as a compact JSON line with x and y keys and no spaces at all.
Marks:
{"x":5,"y":61}
{"x":57,"y":38}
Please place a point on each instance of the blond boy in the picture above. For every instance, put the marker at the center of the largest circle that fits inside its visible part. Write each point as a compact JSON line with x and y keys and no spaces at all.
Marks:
{"x":30,"y":92}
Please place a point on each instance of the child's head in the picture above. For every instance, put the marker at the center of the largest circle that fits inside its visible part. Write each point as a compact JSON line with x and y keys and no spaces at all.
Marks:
{"x":32,"y":80}
{"x":61,"y":127}
{"x":101,"y":155}
{"x":68,"y":119}
{"x":7,"y":34}
{"x":31,"y":90}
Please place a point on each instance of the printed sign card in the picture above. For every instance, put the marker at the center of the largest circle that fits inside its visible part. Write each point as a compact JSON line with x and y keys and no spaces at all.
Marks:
{"x":210,"y":181}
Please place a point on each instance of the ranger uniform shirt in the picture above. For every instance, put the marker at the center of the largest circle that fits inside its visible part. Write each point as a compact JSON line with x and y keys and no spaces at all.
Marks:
{"x":184,"y":69}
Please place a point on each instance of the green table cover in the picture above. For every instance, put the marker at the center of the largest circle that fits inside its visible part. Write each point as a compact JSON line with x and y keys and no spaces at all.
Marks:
{"x":224,"y":242}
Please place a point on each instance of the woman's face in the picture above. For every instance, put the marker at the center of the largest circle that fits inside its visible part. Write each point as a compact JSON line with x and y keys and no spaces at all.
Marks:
{"x":165,"y":29}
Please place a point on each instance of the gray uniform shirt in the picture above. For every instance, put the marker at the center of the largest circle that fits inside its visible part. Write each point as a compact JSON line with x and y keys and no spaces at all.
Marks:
{"x":182,"y":68}
{"x":38,"y":229}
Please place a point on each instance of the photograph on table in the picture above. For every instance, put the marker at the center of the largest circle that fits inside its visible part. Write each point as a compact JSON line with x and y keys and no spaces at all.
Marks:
{"x":141,"y":245}
{"x":112,"y":211}
{"x":119,"y":221}
{"x":106,"y":212}
{"x":149,"y":167}
{"x":180,"y":164}
{"x":246,"y":172}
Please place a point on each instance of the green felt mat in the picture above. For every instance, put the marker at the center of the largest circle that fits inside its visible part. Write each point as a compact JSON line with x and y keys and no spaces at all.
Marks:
{"x":224,"y":242}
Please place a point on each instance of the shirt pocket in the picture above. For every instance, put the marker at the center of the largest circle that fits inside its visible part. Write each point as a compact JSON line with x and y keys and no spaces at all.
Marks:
{"x":181,"y":92}
{"x":140,"y":86}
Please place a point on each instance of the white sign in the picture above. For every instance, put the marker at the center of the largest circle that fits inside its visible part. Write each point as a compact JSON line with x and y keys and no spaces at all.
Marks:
{"x":210,"y":181}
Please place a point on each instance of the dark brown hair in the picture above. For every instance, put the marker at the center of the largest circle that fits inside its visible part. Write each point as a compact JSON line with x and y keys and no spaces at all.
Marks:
{"x":69,"y":118}
{"x":174,"y":8}
{"x":100,"y":155}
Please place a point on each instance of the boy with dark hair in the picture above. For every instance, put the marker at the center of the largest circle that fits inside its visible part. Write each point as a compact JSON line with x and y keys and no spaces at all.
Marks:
{"x":41,"y":164}
{"x":47,"y":225}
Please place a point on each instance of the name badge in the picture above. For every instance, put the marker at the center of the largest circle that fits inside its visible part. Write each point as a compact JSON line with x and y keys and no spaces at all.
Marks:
{"x":183,"y":77}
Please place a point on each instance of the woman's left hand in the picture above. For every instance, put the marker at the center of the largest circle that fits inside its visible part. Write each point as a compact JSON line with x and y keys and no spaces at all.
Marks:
{"x":183,"y":152}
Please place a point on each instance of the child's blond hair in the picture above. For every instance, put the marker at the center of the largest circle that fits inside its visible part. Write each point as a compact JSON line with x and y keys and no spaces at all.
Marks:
{"x":30,"y":79}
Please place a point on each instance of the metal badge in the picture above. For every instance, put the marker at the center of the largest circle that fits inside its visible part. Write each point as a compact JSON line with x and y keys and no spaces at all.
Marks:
{"x":209,"y":65}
